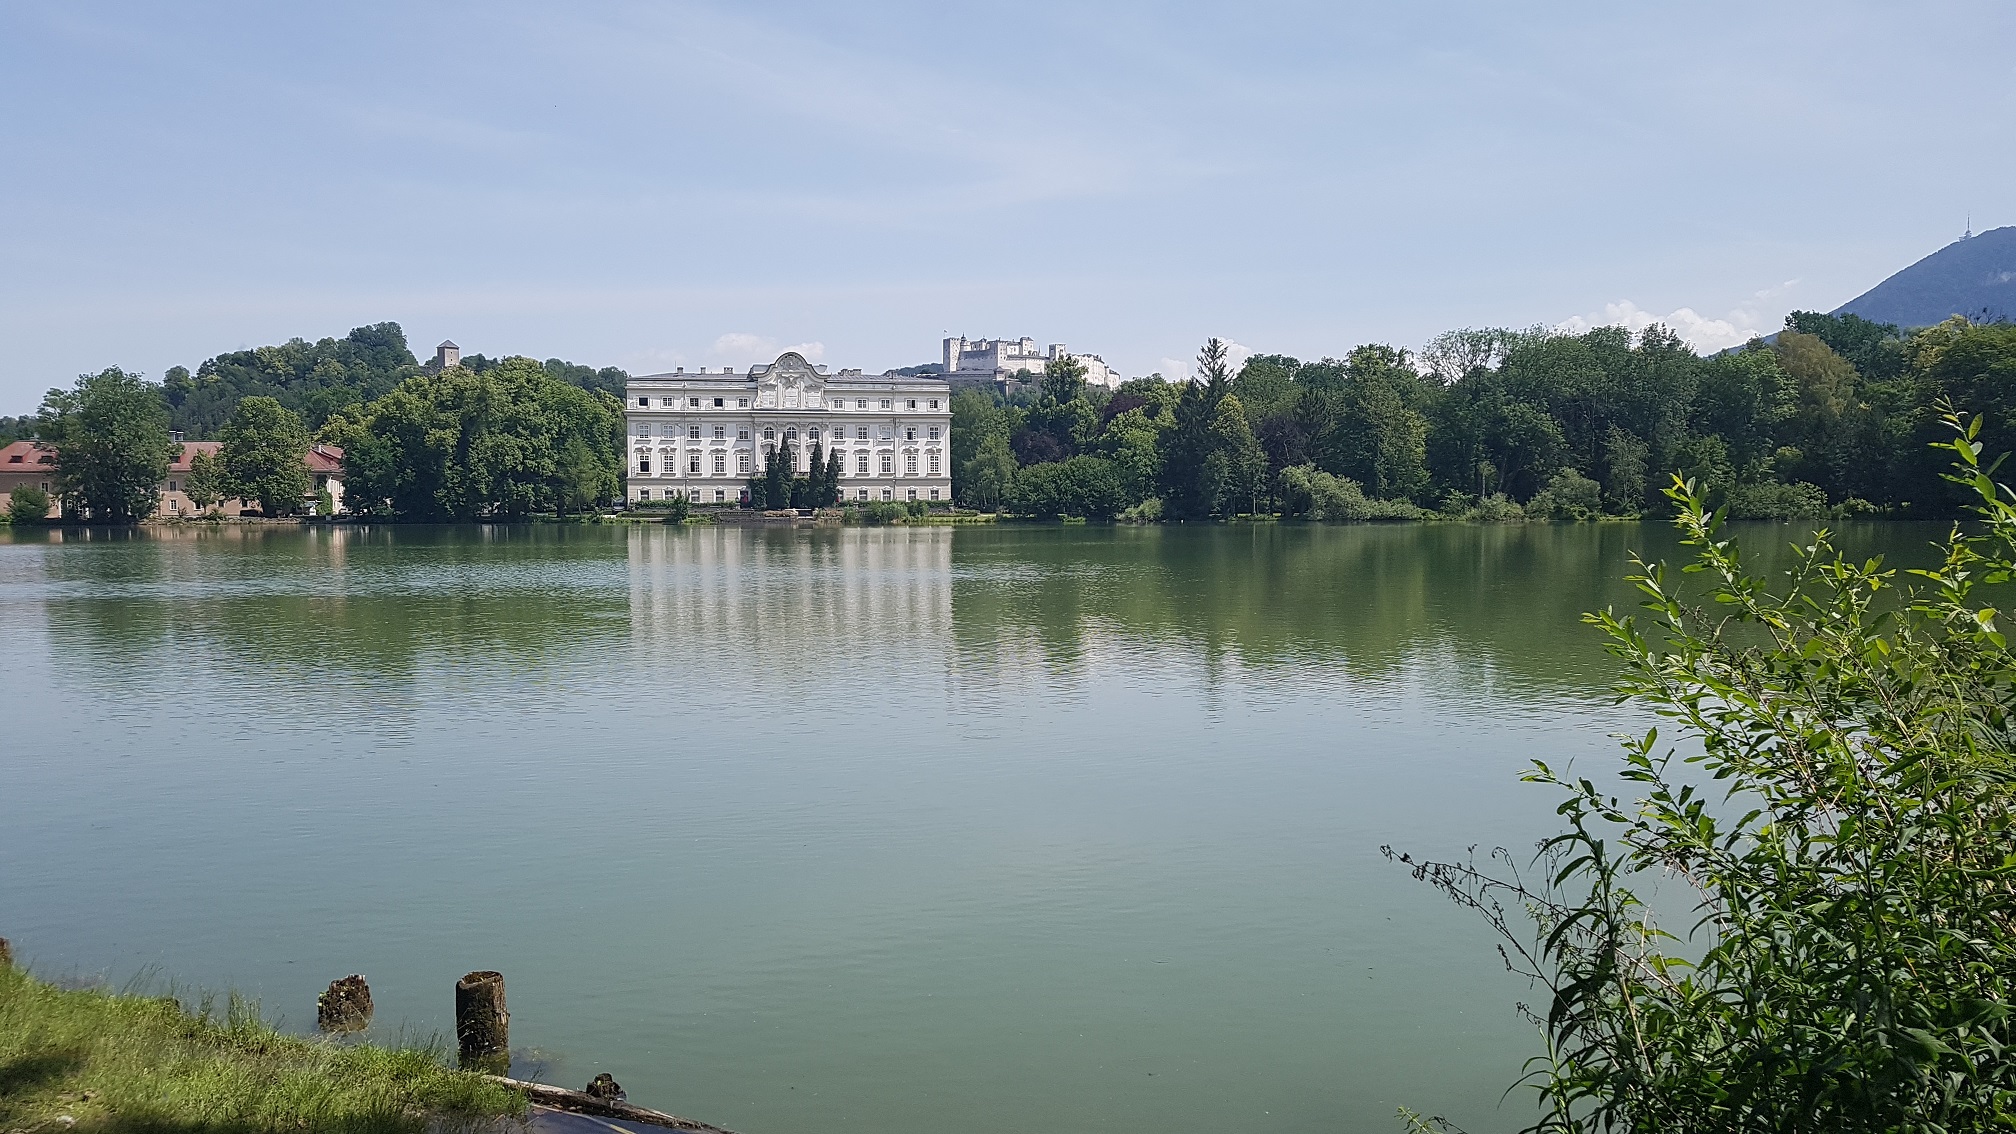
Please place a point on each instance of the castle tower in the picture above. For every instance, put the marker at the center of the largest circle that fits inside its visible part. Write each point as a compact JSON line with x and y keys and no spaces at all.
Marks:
{"x":447,"y":355}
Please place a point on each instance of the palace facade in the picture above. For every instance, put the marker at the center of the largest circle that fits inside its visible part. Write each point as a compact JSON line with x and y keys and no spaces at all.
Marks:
{"x":702,"y":435}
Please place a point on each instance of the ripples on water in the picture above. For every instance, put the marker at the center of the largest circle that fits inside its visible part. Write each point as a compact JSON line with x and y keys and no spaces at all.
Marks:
{"x":906,"y":829}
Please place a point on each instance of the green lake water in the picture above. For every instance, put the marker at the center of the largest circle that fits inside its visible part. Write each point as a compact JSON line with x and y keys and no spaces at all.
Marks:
{"x":902,"y":830}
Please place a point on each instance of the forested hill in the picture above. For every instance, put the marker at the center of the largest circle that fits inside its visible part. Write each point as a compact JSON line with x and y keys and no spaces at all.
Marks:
{"x":1975,"y":277}
{"x":317,"y":379}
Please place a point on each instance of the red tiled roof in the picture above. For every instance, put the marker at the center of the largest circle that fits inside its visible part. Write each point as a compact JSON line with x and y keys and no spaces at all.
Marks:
{"x":325,"y":459}
{"x":189,"y":450}
{"x":21,"y":455}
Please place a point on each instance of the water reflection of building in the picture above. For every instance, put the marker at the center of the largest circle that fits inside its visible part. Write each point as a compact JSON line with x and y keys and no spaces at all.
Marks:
{"x":826,"y":599}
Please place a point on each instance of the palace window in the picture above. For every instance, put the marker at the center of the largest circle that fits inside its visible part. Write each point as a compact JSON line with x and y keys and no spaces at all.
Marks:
{"x":864,"y":494}
{"x":643,"y":429}
{"x":861,"y":403}
{"x":886,"y":403}
{"x":887,"y":495}
{"x":934,"y":494}
{"x":934,"y":403}
{"x":910,"y":463}
{"x":721,"y":463}
{"x":934,"y":433}
{"x":693,"y":463}
{"x":934,"y":462}
{"x":643,"y":462}
{"x":812,"y":434}
{"x":721,"y":433}
{"x":791,"y":435}
{"x":693,"y":402}
{"x":913,"y":494}
{"x":742,"y":434}
{"x":888,"y":464}
{"x":693,"y":433}
{"x":721,"y":494}
{"x":644,"y":401}
{"x":643,"y":494}
{"x":718,"y":401}
{"x":910,"y":434}
{"x":742,"y":463}
{"x":860,"y":433}
{"x":861,"y":465}
{"x":769,"y":434}
{"x":741,"y":403}
{"x":913,"y":403}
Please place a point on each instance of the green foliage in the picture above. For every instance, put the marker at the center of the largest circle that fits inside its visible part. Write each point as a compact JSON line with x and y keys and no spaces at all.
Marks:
{"x":27,"y":504}
{"x":460,"y":445}
{"x":1839,"y":817}
{"x":989,"y":477}
{"x":312,"y":379}
{"x":204,"y":484}
{"x":1309,"y":491}
{"x":110,"y":433}
{"x":1773,"y":501}
{"x":143,"y":1065}
{"x":1081,"y":486}
{"x":264,"y":456}
{"x":18,"y":428}
{"x":1568,"y":496}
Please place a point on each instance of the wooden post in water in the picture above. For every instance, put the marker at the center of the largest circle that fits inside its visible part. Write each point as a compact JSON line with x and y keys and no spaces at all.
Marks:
{"x":481,"y":1024}
{"x":345,"y":1007}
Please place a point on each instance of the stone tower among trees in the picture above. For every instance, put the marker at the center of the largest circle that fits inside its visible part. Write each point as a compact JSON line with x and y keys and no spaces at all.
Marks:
{"x":447,"y":355}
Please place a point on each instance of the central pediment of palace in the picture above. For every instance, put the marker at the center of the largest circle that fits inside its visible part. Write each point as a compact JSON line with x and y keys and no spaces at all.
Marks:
{"x":789,"y":383}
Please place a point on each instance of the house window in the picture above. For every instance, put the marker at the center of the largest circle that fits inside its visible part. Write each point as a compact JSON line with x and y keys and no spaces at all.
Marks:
{"x":741,"y":403}
{"x":934,"y":433}
{"x":934,"y":462}
{"x":913,"y":403}
{"x":721,"y":494}
{"x":934,"y":494}
{"x":717,"y":404}
{"x":693,"y":463}
{"x":693,"y":402}
{"x":643,"y":494}
{"x":910,"y":463}
{"x":643,"y":429}
{"x":172,"y":487}
{"x":864,"y":494}
{"x":934,"y":403}
{"x":886,"y":403}
{"x":861,"y":403}
{"x":886,"y":494}
{"x":721,"y":464}
{"x":812,"y":434}
{"x":888,"y":464}
{"x":643,"y":462}
{"x":644,"y":401}
{"x":910,"y":434}
{"x":913,"y":494}
{"x":769,"y":433}
{"x":721,"y":433}
{"x":742,"y":463}
{"x":861,"y":465}
{"x":742,"y":434}
{"x":791,"y":435}
{"x":860,"y":433}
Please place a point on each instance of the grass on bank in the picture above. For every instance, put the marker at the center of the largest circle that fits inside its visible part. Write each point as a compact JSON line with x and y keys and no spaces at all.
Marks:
{"x":125,"y":1063}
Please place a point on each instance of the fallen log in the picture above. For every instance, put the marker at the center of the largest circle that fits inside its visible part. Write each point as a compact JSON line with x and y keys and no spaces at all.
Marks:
{"x":581,"y":1102}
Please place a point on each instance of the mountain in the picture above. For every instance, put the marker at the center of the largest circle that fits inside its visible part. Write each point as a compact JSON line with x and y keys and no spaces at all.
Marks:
{"x":1975,"y":277}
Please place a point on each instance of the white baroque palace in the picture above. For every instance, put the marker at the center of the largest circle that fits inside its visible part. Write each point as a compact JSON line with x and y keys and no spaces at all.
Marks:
{"x":702,"y":435}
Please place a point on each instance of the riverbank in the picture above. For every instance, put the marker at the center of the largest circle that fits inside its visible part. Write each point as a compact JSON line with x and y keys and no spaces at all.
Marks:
{"x":91,"y":1060}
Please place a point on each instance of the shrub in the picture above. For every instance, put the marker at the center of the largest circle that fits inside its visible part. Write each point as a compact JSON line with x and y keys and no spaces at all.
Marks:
{"x":1081,"y":486}
{"x":1849,"y":962}
{"x":1309,"y":491}
{"x":28,"y":505}
{"x":1568,"y":496}
{"x":1773,"y":501}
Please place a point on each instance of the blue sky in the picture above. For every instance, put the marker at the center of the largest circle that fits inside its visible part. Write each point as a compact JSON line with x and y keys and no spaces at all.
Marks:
{"x":658,"y":184}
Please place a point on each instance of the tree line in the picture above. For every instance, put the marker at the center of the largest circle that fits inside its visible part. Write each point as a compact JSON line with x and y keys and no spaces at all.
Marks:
{"x":1837,"y":414}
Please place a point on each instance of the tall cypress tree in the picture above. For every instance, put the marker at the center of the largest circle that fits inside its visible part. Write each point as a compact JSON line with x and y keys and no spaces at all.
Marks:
{"x":778,"y":476}
{"x":832,"y":486}
{"x":815,"y":477}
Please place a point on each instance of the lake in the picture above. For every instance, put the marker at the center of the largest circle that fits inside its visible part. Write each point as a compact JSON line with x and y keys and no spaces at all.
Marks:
{"x":983,"y":829}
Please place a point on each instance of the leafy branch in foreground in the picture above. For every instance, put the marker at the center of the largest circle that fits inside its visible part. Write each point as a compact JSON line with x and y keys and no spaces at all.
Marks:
{"x":1843,"y":833}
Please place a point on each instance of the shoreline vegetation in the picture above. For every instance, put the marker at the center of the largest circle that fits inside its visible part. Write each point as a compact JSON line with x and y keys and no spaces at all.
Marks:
{"x":91,"y":1061}
{"x":1831,"y":420}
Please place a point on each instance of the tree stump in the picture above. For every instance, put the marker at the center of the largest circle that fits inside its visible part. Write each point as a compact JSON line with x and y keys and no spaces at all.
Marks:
{"x":345,"y":1007}
{"x":482,"y":1025}
{"x":604,"y":1086}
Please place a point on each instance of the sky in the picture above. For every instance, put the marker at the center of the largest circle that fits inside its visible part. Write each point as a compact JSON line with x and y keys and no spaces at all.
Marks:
{"x":650,"y":185}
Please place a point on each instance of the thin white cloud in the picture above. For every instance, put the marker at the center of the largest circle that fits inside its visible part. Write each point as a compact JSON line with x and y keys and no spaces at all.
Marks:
{"x":1703,"y":334}
{"x":1182,"y":370}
